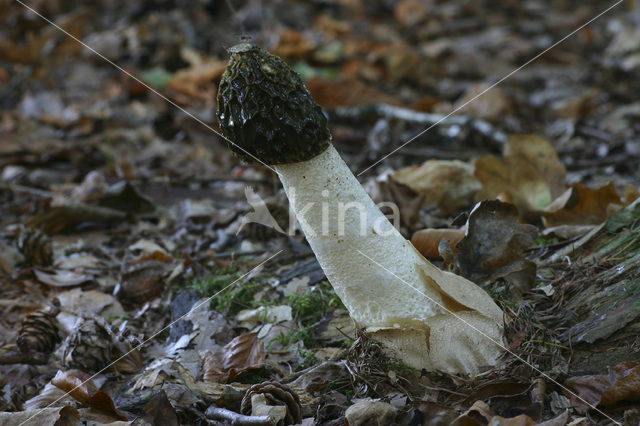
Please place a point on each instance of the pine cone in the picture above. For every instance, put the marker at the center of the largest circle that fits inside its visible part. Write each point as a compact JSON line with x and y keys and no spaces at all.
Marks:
{"x":275,"y":394}
{"x":96,"y":344}
{"x":39,"y":331}
{"x":89,"y":348}
{"x":36,"y":247}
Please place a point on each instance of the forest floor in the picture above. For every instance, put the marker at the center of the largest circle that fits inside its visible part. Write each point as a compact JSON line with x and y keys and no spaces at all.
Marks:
{"x":121,"y":210}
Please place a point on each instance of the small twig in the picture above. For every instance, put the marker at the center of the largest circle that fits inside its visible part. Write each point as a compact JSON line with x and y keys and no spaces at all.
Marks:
{"x":232,"y":254}
{"x":20,"y":304}
{"x":15,"y":357}
{"x":26,"y":189}
{"x":541,"y":342}
{"x":228,"y":178}
{"x":408,"y":115}
{"x":233,"y":418}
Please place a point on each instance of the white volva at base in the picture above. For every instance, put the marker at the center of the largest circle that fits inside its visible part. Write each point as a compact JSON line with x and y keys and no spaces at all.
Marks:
{"x":412,"y":323}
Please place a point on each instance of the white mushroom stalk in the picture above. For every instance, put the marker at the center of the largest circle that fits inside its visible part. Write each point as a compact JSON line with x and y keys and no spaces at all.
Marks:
{"x":425,"y":317}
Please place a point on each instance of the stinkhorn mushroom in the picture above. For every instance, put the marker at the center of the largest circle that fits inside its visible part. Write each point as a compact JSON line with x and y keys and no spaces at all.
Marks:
{"x":425,"y":317}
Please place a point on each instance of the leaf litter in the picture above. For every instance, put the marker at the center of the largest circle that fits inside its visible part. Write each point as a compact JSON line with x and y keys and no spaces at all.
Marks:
{"x":127,"y":212}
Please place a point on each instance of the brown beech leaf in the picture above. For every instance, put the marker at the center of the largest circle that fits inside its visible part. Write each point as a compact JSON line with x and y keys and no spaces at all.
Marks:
{"x":492,"y":105}
{"x":198,"y":81}
{"x":530,"y":173}
{"x":334,"y":93}
{"x":245,"y":352}
{"x":630,"y":194}
{"x":410,"y":12}
{"x":142,"y":281}
{"x":621,"y":383}
{"x":428,"y":240}
{"x":159,"y":411}
{"x":72,"y":382}
{"x":478,"y":414}
{"x":581,"y":205}
{"x":495,"y":242}
{"x":293,"y":45}
{"x":509,"y":398}
{"x":409,"y":202}
{"x":450,"y":185}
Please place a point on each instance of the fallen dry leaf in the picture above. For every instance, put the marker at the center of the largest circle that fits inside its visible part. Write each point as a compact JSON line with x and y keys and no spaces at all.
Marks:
{"x":143,"y":281}
{"x":76,"y":384}
{"x":567,"y":232}
{"x":61,"y":278}
{"x":409,"y":202}
{"x":428,"y":240}
{"x":581,"y":205}
{"x":245,"y":352}
{"x":435,"y":414}
{"x":491,"y":105}
{"x":621,"y":383}
{"x":478,"y":414}
{"x":529,"y":172}
{"x":159,"y":411}
{"x":630,"y":194}
{"x":293,"y":45}
{"x":494,"y":243}
{"x":334,"y":93}
{"x":521,"y":420}
{"x":198,"y":80}
{"x":449,"y":184}
{"x":65,"y":218}
{"x":58,"y":416}
{"x":410,"y":12}
{"x":511,"y":398}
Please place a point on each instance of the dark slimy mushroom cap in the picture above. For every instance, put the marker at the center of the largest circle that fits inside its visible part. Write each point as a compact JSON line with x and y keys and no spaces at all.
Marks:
{"x":265,"y":108}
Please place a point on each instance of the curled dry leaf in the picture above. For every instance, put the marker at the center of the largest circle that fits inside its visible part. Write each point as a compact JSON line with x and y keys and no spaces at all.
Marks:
{"x":450,"y":185}
{"x":428,"y":240}
{"x":61,"y":278}
{"x":76,"y":384}
{"x":245,"y":352}
{"x":620,"y":383}
{"x":494,"y":245}
{"x":581,"y":205}
{"x":530,"y":173}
